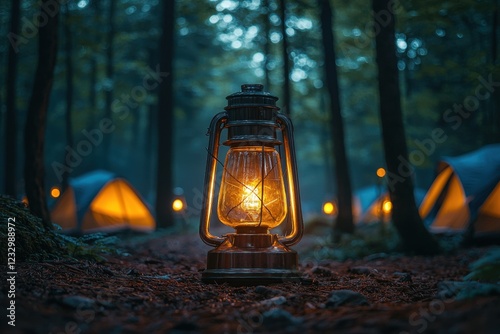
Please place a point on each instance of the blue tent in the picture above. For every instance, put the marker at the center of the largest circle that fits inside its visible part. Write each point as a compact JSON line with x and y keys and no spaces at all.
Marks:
{"x":101,"y":201}
{"x":465,"y":193}
{"x":369,"y":203}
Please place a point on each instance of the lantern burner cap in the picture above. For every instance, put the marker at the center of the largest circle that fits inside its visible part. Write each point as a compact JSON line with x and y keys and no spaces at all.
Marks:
{"x":252,"y":88}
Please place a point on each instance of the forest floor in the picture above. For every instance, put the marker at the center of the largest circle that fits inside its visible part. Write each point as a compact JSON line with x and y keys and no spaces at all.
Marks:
{"x":153,"y":286}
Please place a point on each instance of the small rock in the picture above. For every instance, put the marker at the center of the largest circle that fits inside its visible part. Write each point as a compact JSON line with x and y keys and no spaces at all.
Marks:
{"x":345,"y":297}
{"x":277,"y":318}
{"x":403,"y":277}
{"x":265,"y":291}
{"x":78,"y":302}
{"x":274,"y":301}
{"x":360,"y":270}
{"x":322,"y":271}
{"x":466,"y":290}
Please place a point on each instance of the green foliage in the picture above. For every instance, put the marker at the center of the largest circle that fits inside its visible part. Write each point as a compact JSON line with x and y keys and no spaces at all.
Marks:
{"x":487,"y":268}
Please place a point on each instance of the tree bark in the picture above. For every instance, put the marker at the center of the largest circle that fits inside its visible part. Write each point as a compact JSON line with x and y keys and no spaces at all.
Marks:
{"x":110,"y":79}
{"x":10,"y":161}
{"x":267,"y":43}
{"x":414,"y":236}
{"x":287,"y":108}
{"x":165,"y":119}
{"x":344,"y":222}
{"x":69,"y":87}
{"x":34,"y":132}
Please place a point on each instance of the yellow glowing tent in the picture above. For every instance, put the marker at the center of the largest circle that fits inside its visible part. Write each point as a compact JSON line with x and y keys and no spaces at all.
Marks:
{"x":465,"y":194}
{"x":375,"y":204}
{"x":100,"y":201}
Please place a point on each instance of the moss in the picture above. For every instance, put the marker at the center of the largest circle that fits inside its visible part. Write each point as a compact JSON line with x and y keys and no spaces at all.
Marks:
{"x":32,"y":241}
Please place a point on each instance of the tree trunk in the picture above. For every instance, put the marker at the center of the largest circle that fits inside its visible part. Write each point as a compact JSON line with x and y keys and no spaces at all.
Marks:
{"x":10,"y":159}
{"x":110,"y":85}
{"x":414,"y":236}
{"x":69,"y":87}
{"x":34,"y":132}
{"x":344,"y":222}
{"x":165,"y":119}
{"x":495,"y":101}
{"x":267,"y":45}
{"x":287,"y":108}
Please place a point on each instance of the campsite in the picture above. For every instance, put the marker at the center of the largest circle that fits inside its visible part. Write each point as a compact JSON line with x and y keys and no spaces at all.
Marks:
{"x":253,"y":166}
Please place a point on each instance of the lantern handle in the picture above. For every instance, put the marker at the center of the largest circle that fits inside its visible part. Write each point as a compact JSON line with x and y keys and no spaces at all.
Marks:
{"x":214,"y":131}
{"x":293,"y":183}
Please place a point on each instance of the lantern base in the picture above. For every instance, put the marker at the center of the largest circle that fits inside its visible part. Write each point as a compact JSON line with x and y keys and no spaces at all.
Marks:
{"x":251,"y":259}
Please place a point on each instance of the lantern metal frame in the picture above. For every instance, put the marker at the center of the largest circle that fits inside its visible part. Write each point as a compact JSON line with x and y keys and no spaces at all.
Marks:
{"x":251,"y":255}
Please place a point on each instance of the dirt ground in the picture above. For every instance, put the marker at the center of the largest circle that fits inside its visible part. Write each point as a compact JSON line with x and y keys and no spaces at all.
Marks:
{"x":153,"y":286}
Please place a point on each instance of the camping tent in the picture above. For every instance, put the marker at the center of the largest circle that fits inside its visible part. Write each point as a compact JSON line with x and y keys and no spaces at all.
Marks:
{"x":100,"y":201}
{"x":375,"y":205}
{"x":465,"y":193}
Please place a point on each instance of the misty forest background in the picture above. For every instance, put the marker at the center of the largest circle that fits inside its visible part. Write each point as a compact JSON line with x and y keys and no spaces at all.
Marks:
{"x":108,"y":52}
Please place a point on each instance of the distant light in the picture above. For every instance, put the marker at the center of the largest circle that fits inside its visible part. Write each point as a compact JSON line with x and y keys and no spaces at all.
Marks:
{"x":401,"y":44}
{"x":55,"y":192}
{"x":275,"y":37}
{"x":381,"y":172}
{"x":25,"y":200}
{"x":258,"y":57}
{"x":214,"y":19}
{"x":236,"y":44}
{"x":227,"y":18}
{"x":387,"y":206}
{"x":329,"y":208}
{"x":440,"y":32}
{"x":177,"y":205}
{"x":82,"y":3}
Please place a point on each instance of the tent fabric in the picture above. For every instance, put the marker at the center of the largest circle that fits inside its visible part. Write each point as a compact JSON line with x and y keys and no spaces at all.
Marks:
{"x":465,"y":191}
{"x":369,"y":201}
{"x":100,"y":201}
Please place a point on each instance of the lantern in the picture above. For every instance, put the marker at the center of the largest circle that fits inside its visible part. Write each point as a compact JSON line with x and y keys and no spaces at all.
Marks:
{"x":255,"y":193}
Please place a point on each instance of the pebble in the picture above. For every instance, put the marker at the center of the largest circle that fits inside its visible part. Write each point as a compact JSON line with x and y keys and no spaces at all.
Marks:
{"x":274,"y":301}
{"x":78,"y":302}
{"x":280,"y":319}
{"x":360,"y":270}
{"x":322,"y":271}
{"x":345,"y":297}
{"x":466,"y":290}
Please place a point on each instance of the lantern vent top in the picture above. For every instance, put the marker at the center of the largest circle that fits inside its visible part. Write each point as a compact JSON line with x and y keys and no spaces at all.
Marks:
{"x":251,"y":95}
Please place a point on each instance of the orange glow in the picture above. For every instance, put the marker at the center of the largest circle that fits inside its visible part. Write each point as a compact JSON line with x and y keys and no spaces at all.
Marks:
{"x":252,"y":191}
{"x":55,"y":192}
{"x":381,"y":172}
{"x":25,"y":200}
{"x":177,"y":205}
{"x":387,"y":206}
{"x":329,"y":208}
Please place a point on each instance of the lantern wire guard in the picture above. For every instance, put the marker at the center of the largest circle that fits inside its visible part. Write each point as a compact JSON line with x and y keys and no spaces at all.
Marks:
{"x":252,"y":197}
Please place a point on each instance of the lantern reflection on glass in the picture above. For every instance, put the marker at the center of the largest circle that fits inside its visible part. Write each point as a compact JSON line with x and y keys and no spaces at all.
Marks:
{"x":253,"y":197}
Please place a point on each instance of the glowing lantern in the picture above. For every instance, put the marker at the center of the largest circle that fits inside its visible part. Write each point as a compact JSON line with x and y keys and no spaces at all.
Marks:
{"x":55,"y":192}
{"x":329,"y":208}
{"x":177,"y":205}
{"x":386,"y":207}
{"x":253,"y":197}
{"x":381,"y":172}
